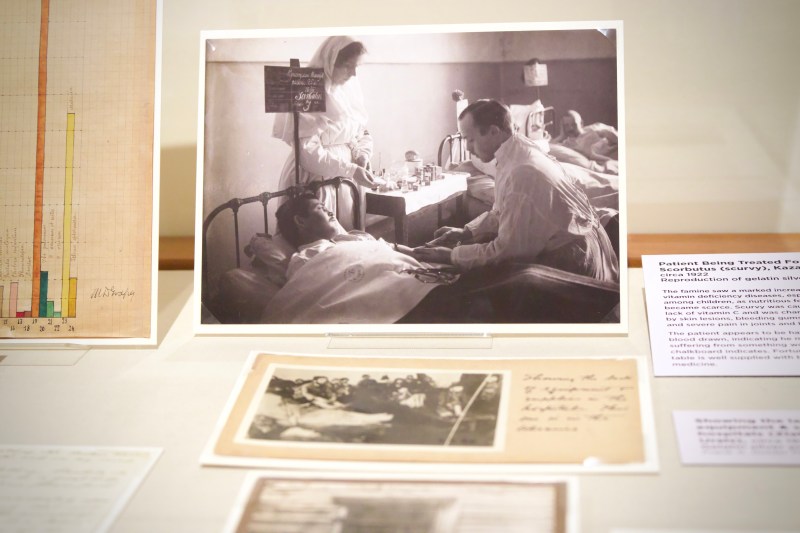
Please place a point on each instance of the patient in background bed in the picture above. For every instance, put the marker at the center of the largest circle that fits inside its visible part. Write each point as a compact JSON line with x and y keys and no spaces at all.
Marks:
{"x":597,"y":142}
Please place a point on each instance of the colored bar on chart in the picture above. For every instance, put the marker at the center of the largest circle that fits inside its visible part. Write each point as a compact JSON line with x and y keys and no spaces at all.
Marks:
{"x":12,"y":299}
{"x":67,"y":248}
{"x":2,"y":302}
{"x":73,"y":297}
{"x":57,"y":314}
{"x":38,"y":196}
{"x":42,"y":303}
{"x":51,"y":308}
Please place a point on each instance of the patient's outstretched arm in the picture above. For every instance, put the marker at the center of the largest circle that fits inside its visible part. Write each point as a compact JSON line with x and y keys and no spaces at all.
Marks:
{"x":403,"y":249}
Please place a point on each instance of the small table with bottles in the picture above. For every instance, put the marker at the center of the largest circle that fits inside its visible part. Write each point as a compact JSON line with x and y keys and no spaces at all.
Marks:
{"x":413,"y":196}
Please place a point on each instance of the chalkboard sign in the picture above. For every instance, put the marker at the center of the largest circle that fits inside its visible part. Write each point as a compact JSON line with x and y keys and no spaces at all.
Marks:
{"x":294,"y":89}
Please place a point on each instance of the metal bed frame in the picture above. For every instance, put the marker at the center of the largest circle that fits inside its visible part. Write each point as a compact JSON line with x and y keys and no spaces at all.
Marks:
{"x":545,"y":122}
{"x":450,"y":140}
{"x":234,"y":204}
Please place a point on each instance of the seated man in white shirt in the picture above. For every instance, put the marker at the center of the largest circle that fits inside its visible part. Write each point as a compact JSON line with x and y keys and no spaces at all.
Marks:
{"x":540,"y":214}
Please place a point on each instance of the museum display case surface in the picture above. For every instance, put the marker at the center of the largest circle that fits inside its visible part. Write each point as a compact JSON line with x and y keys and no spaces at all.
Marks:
{"x":171,"y":396}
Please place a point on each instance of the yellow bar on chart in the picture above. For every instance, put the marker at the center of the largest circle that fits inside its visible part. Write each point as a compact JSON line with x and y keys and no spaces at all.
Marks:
{"x":66,"y":282}
{"x":73,"y":297}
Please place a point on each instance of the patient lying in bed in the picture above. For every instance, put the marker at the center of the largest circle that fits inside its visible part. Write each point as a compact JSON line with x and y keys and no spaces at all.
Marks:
{"x":337,"y":277}
{"x":353,"y":278}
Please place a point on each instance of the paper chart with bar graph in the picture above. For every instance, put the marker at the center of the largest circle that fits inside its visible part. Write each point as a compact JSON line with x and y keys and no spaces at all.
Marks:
{"x":77,"y":113}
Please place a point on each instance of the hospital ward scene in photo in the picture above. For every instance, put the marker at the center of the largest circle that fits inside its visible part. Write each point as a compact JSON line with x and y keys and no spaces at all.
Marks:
{"x":466,"y":177}
{"x":420,"y":409}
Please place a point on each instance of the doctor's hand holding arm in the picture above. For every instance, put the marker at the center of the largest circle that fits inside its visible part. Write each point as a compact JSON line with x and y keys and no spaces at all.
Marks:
{"x":449,"y":236}
{"x":433,"y":254}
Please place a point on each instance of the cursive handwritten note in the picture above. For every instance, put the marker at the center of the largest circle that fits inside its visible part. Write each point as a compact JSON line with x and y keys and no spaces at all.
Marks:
{"x":294,"y":89}
{"x":56,"y":489}
{"x":563,"y":403}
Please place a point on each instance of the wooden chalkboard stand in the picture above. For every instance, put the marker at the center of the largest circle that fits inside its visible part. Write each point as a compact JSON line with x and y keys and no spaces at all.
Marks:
{"x":296,"y":116}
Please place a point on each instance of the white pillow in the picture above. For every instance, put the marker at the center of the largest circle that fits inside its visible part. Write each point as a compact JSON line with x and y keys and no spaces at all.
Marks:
{"x":272,"y":254}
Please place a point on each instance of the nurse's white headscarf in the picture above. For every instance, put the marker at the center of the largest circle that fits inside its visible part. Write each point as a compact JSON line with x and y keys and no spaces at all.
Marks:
{"x":344,"y":103}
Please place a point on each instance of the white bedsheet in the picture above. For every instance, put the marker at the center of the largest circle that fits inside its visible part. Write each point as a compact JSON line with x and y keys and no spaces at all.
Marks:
{"x":357,"y":282}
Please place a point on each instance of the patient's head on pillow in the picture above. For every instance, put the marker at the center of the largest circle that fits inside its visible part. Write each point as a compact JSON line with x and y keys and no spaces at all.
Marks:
{"x":572,"y":123}
{"x":304,"y":219}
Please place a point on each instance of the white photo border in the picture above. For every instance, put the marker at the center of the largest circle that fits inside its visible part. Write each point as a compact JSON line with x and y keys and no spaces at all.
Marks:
{"x":452,"y":329}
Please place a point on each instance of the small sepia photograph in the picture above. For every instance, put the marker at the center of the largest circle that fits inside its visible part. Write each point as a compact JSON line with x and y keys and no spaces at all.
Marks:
{"x":412,"y":179}
{"x":373,"y":406}
{"x":354,"y":505}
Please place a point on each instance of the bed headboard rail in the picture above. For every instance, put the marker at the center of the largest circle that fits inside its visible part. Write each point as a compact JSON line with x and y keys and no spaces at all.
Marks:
{"x":234,"y":204}
{"x":454,"y":155}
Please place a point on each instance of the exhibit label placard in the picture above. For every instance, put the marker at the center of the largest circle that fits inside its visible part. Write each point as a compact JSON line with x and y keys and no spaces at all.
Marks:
{"x":724,"y":314}
{"x":738,"y":437}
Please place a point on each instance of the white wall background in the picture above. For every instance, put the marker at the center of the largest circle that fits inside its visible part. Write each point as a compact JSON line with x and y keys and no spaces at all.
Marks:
{"x":712,"y":98}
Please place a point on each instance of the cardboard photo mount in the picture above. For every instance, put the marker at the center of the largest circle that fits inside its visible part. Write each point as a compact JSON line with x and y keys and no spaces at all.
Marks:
{"x":554,"y":415}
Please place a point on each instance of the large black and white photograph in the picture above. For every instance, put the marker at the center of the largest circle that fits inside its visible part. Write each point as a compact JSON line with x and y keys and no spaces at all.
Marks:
{"x":404,"y":179}
{"x":330,"y":407}
{"x":393,"y":504}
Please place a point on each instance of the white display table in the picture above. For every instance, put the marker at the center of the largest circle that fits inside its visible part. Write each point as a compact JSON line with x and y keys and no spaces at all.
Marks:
{"x":171,"y":396}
